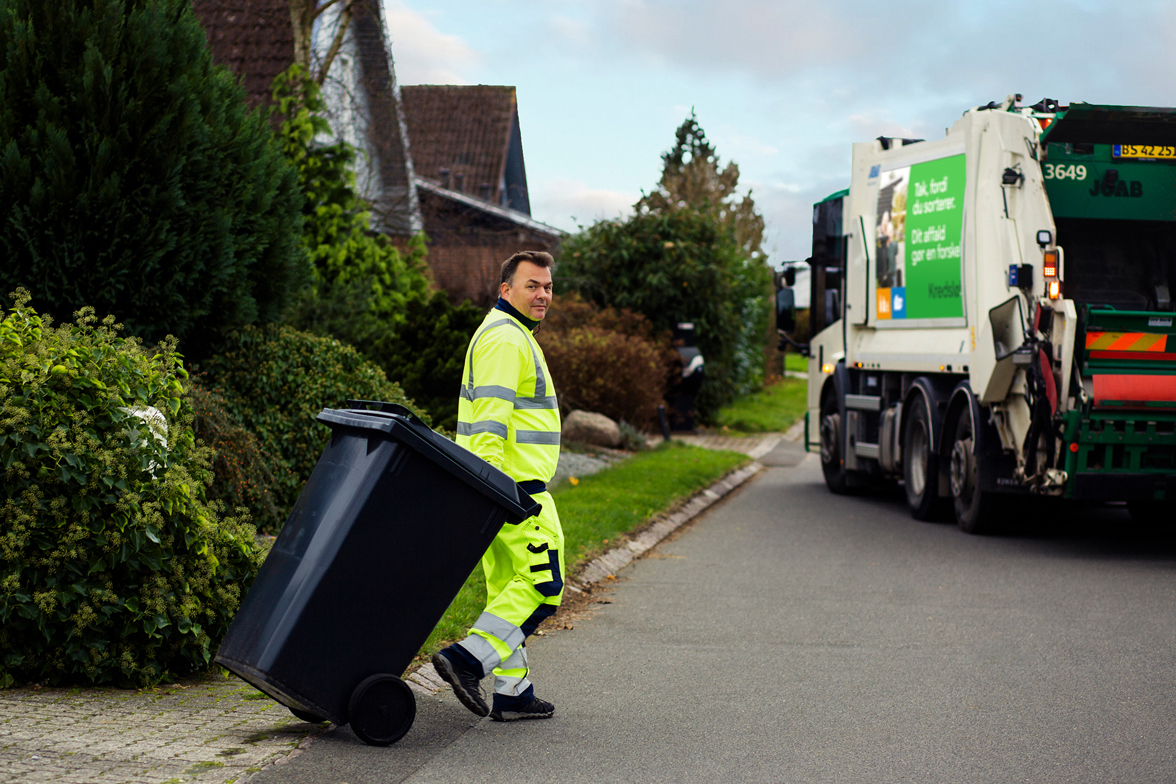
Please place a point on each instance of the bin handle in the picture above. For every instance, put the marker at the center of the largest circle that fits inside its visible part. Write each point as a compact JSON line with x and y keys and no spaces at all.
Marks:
{"x":387,"y":408}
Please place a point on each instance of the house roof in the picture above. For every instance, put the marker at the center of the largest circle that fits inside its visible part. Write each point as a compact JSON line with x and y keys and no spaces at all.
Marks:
{"x":397,"y":206}
{"x":253,"y":38}
{"x":467,"y":139}
{"x":504,"y":215}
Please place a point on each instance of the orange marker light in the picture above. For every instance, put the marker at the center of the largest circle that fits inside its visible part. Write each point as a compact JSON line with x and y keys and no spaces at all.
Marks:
{"x":1049,"y":267}
{"x":1055,"y":289}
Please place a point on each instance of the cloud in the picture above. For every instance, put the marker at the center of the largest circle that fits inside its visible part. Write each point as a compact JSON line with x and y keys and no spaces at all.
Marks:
{"x":567,"y":204}
{"x":424,"y":55}
{"x":905,"y":49}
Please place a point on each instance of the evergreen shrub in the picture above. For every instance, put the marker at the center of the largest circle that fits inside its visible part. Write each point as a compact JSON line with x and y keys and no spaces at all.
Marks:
{"x":426,"y":352}
{"x":275,"y":380}
{"x":682,"y":265}
{"x":113,"y":568}
{"x":133,"y":176}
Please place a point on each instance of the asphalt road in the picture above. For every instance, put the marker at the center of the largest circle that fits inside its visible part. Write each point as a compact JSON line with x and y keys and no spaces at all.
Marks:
{"x":793,"y":636}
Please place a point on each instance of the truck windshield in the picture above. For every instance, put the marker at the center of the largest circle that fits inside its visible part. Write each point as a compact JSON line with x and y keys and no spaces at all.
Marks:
{"x":1122,"y":264}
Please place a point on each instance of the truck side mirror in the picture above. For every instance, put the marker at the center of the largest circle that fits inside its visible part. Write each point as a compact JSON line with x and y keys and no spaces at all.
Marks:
{"x":785,"y":310}
{"x":790,"y":276}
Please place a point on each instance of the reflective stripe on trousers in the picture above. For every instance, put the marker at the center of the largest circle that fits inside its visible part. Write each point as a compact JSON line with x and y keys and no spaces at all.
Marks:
{"x":524,"y":585}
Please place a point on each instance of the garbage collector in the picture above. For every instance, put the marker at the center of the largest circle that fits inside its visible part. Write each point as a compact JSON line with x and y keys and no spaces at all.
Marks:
{"x":508,"y":416}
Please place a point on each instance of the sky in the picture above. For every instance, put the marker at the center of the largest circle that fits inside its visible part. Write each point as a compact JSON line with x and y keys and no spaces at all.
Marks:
{"x":780,"y":88}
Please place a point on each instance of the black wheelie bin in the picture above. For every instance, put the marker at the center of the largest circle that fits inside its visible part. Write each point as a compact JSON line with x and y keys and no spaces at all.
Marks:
{"x":391,"y":522}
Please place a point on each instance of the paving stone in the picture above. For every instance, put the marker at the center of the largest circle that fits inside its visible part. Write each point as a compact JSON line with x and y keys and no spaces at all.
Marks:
{"x":204,"y":730}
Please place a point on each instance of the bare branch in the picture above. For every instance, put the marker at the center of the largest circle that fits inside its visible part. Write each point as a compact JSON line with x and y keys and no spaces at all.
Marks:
{"x":302,"y":23}
{"x":324,"y":7}
{"x":344,"y":22}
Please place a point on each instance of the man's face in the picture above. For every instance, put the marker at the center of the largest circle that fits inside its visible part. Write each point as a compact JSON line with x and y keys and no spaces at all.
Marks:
{"x":530,"y":291}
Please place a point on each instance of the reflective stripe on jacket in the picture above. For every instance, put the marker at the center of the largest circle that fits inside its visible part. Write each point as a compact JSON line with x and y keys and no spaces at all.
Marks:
{"x":507,"y":413}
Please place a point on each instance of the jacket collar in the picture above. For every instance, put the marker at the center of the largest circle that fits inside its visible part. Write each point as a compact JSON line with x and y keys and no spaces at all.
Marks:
{"x":510,"y":310}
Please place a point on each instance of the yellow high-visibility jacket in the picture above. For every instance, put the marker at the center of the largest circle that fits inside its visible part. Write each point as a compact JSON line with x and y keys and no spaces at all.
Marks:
{"x":507,"y":413}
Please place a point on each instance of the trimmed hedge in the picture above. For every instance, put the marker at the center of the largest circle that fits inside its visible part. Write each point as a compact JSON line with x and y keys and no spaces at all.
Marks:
{"x":113,"y":568}
{"x":275,"y":380}
{"x":425,"y":354}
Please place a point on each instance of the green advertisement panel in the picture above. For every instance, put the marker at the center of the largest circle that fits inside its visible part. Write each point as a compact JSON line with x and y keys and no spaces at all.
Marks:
{"x":919,"y":243}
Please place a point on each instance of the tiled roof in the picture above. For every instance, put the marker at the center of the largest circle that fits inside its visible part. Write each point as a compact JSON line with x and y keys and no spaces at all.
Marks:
{"x":461,"y":137}
{"x":253,"y":38}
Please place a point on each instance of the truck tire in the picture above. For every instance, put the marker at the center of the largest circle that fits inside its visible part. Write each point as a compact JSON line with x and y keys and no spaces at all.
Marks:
{"x":832,"y":464}
{"x":920,"y":467}
{"x":975,"y":509}
{"x":1152,"y":514}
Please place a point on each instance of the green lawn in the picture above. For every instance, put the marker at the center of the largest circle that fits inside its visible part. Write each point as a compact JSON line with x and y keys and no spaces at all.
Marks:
{"x":793,"y":361}
{"x":599,"y":510}
{"x":771,"y":410}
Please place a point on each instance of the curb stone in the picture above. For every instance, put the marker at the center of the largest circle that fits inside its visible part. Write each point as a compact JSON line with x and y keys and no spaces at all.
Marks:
{"x":427,"y":682}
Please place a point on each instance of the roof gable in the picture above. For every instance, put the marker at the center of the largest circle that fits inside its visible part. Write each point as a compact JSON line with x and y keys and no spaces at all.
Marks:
{"x":466,"y":137}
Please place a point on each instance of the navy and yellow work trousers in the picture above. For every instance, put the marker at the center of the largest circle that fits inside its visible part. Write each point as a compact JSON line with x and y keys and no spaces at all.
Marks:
{"x":524,"y":570}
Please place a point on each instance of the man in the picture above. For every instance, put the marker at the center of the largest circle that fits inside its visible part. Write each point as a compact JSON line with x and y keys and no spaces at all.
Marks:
{"x":508,"y":416}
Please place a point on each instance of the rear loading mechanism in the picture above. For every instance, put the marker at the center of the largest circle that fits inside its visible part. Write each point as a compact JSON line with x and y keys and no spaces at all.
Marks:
{"x":992,"y":314}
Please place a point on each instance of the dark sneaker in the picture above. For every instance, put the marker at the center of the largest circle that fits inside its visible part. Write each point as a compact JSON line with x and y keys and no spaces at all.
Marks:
{"x":513,"y":709}
{"x":466,"y":683}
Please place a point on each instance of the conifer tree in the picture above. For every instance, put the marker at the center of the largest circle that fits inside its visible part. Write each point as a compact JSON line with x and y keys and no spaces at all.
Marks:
{"x":692,"y":178}
{"x":133,"y":177}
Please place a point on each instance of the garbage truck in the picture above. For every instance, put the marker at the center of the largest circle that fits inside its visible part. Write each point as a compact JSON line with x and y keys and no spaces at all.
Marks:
{"x":991,"y":314}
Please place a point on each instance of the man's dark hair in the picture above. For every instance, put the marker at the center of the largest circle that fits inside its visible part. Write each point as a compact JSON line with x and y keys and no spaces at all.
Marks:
{"x":536,"y":257}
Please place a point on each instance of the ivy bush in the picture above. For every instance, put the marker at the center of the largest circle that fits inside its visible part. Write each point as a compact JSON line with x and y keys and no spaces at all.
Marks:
{"x":113,"y":568}
{"x":275,"y":380}
{"x":362,"y":282}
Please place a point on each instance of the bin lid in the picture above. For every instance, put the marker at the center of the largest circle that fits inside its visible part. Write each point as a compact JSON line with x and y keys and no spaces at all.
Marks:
{"x":458,"y":461}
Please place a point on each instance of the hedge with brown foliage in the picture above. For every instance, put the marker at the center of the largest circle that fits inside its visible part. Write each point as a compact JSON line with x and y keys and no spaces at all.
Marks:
{"x":606,"y":360}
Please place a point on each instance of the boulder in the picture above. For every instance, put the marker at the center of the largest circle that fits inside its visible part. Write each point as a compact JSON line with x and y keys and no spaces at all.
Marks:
{"x":589,"y":428}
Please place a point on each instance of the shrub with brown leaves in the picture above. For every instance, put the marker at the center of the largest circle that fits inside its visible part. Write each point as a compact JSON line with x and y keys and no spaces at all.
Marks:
{"x":606,"y":360}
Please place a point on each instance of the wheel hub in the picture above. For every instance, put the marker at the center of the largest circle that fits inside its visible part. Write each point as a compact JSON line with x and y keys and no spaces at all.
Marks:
{"x":962,"y":469}
{"x":917,"y":461}
{"x":830,"y":428}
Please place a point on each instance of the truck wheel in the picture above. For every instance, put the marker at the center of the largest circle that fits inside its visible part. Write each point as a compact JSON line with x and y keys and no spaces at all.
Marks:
{"x":975,"y":509}
{"x":920,"y":467}
{"x":832,"y":466}
{"x":1152,"y":514}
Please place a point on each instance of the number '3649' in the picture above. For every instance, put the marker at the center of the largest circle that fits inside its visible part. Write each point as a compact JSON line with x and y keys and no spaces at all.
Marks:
{"x":1061,"y":171}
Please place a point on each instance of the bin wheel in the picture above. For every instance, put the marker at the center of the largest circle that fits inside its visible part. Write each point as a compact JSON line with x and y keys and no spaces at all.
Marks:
{"x":381,"y":710}
{"x":307,"y":716}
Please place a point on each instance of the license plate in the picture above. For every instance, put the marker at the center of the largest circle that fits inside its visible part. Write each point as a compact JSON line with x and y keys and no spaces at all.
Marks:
{"x":1143,"y":151}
